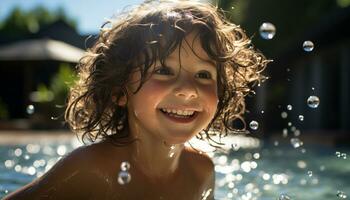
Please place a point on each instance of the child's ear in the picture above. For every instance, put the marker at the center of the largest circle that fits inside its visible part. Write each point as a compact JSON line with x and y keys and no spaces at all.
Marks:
{"x":122,"y":101}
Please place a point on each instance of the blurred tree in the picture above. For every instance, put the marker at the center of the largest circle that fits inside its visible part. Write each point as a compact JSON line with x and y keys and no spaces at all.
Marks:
{"x":20,"y":22}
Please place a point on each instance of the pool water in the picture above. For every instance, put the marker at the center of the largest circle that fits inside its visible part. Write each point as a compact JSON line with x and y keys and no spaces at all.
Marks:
{"x":266,"y":172}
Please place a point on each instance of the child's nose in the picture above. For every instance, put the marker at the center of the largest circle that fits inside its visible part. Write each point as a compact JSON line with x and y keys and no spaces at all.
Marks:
{"x":186,"y":88}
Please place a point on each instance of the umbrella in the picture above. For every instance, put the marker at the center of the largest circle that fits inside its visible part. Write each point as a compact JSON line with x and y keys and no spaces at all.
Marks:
{"x":41,"y":49}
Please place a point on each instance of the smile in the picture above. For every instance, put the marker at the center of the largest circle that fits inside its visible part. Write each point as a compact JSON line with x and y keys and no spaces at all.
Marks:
{"x":181,"y":116}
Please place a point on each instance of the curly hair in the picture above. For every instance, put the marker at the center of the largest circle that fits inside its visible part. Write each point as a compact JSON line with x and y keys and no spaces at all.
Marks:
{"x":150,"y":32}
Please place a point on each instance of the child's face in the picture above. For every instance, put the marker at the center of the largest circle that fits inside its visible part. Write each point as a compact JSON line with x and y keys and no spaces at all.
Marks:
{"x":190,"y":91}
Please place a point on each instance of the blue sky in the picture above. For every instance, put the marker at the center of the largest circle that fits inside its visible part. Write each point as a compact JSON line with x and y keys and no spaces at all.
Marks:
{"x":90,"y":14}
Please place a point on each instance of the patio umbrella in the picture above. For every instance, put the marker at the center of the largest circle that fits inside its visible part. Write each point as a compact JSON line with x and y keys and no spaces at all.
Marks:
{"x":41,"y":49}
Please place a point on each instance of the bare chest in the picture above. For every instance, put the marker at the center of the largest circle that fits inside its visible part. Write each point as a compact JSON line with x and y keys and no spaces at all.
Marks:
{"x":182,"y":186}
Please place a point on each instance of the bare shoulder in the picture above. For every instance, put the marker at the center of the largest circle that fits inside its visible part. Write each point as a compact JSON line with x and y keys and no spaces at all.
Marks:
{"x":199,"y":161}
{"x":202,"y":168}
{"x":66,"y":178}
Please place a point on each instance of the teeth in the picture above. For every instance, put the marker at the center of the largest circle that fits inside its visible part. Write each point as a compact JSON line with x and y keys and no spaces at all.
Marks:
{"x":178,"y":112}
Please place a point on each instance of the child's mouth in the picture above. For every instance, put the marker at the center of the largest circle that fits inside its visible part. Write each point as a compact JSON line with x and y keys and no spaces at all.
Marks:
{"x":179,"y":115}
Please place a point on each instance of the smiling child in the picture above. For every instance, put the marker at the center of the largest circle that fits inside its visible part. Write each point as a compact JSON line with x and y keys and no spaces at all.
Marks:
{"x":159,"y":75}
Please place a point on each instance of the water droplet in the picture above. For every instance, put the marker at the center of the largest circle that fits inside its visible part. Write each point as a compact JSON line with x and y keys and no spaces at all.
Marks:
{"x":276,"y":143}
{"x":309,"y":173}
{"x":125,"y":166}
{"x":296,"y":142}
{"x":337,"y":153}
{"x":30,"y":109}
{"x":343,"y":155}
{"x":254,"y":125}
{"x":284,"y":115}
{"x":124,"y":177}
{"x":262,"y":112}
{"x":284,"y":197}
{"x":267,"y":31}
{"x":303,"y":150}
{"x":61,"y":150}
{"x":289,"y":123}
{"x":301,"y":117}
{"x":308,"y":46}
{"x":313,"y":101}
{"x":341,"y":195}
{"x":285,"y":132}
{"x":322,"y":168}
{"x":289,"y":107}
{"x":312,"y":88}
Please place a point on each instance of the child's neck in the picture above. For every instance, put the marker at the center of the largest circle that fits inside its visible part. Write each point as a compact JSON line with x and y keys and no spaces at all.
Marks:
{"x":154,"y":157}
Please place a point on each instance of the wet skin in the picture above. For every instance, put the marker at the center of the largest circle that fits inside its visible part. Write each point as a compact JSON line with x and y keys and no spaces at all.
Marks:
{"x":161,"y":167}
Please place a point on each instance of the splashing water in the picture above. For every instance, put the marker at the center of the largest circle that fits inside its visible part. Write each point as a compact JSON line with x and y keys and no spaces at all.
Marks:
{"x":284,"y":115}
{"x":284,"y":197}
{"x":124,"y":177}
{"x":267,"y":30}
{"x":308,"y":46}
{"x":313,"y":101}
{"x":125,"y":166}
{"x":309,"y":173}
{"x":30,"y":109}
{"x":301,"y":117}
{"x":341,"y":195}
{"x":296,"y":142}
{"x":254,"y":125}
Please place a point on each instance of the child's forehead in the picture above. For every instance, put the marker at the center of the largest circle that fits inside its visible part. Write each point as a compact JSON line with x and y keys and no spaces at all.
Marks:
{"x":191,"y":47}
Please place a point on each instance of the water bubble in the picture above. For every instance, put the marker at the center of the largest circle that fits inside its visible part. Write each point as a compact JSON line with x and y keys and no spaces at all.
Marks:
{"x":18,"y":152}
{"x":285,"y":132}
{"x":61,"y":150}
{"x":313,"y":101}
{"x":284,"y":115}
{"x":262,"y":112}
{"x":254,"y":125}
{"x":308,"y":46}
{"x":301,"y":117}
{"x":341,"y":195}
{"x":267,"y":30}
{"x":337,"y":153}
{"x":296,"y":133}
{"x":312,"y":88}
{"x":289,"y":107}
{"x":125,"y":166}
{"x":30,"y":109}
{"x":284,"y":197}
{"x":124,"y":177}
{"x":296,"y":142}
{"x":322,"y":168}
{"x":276,"y":143}
{"x":309,"y":173}
{"x":289,"y":123}
{"x":343,"y":155}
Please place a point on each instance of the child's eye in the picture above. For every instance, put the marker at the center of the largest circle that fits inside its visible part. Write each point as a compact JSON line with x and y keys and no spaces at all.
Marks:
{"x":204,"y":75}
{"x":164,"y":71}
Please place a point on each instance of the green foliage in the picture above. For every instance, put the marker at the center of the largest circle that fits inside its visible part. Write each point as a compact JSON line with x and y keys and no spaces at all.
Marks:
{"x":20,"y":22}
{"x":61,"y":83}
{"x":59,"y":86}
{"x":343,"y":3}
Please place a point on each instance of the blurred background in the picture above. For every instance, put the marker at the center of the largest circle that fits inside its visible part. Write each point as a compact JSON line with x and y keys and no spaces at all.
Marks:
{"x":41,"y":42}
{"x":298,"y":119}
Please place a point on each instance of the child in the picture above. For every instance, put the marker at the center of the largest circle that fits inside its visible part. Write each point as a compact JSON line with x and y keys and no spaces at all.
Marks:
{"x":161,"y":74}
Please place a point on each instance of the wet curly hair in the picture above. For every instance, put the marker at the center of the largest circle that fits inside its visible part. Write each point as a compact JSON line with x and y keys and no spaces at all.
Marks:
{"x":140,"y":36}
